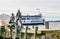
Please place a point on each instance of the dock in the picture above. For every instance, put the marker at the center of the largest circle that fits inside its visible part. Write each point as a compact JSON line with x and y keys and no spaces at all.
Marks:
{"x":33,"y":34}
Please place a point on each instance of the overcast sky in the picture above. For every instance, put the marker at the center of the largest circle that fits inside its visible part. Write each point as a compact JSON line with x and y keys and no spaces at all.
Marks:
{"x":49,"y":8}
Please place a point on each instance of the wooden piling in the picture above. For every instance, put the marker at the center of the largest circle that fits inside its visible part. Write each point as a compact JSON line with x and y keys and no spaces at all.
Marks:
{"x":26,"y":32}
{"x":17,"y":32}
{"x":35,"y":34}
{"x":20,"y":35}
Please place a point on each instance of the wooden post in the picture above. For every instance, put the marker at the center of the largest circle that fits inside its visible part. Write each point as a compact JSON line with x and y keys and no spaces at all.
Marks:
{"x":45,"y":35}
{"x":0,"y":33}
{"x":26,"y":32}
{"x":5,"y":33}
{"x":20,"y":35}
{"x":11,"y":32}
{"x":17,"y":32}
{"x":35,"y":34}
{"x":47,"y":25}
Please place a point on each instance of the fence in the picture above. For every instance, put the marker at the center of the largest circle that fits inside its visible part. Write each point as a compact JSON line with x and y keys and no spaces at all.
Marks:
{"x":31,"y":34}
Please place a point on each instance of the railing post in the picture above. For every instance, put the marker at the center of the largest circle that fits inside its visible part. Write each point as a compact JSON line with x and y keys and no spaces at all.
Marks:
{"x":26,"y":32}
{"x":16,"y":31}
{"x":45,"y":35}
{"x":35,"y":34}
{"x":11,"y":32}
{"x":20,"y":35}
{"x":0,"y":33}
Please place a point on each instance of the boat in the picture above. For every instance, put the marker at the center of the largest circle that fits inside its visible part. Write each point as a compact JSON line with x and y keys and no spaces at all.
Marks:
{"x":32,"y":20}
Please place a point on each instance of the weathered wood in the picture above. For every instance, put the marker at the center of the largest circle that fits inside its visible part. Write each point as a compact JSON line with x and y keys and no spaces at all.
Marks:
{"x":20,"y":35}
{"x":11,"y":32}
{"x":47,"y":25}
{"x":35,"y":34}
{"x":26,"y":32}
{"x":17,"y":32}
{"x":5,"y":34}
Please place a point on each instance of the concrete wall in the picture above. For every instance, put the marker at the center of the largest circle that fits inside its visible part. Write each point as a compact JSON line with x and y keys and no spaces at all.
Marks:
{"x":54,"y":25}
{"x":47,"y":25}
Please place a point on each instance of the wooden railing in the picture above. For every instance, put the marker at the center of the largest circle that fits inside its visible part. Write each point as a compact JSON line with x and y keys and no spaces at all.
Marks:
{"x":31,"y":34}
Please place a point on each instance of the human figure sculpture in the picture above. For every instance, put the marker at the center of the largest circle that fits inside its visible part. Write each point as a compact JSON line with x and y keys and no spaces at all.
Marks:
{"x":18,"y":16}
{"x":18,"y":21}
{"x":12,"y":18}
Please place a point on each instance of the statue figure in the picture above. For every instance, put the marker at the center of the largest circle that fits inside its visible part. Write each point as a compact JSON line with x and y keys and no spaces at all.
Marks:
{"x":18,"y":14}
{"x":18,"y":21}
{"x":12,"y":18}
{"x":18,"y":18}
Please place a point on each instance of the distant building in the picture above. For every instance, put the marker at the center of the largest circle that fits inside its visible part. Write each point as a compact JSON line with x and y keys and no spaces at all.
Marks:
{"x":52,"y":24}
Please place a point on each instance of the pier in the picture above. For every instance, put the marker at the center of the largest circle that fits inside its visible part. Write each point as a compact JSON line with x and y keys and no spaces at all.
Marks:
{"x":19,"y":29}
{"x":32,"y":34}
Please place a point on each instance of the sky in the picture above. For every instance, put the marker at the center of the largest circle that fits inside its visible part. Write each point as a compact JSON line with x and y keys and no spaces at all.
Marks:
{"x":49,"y":8}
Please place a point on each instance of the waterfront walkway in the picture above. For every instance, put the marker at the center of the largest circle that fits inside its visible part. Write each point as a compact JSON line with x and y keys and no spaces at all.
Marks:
{"x":33,"y":34}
